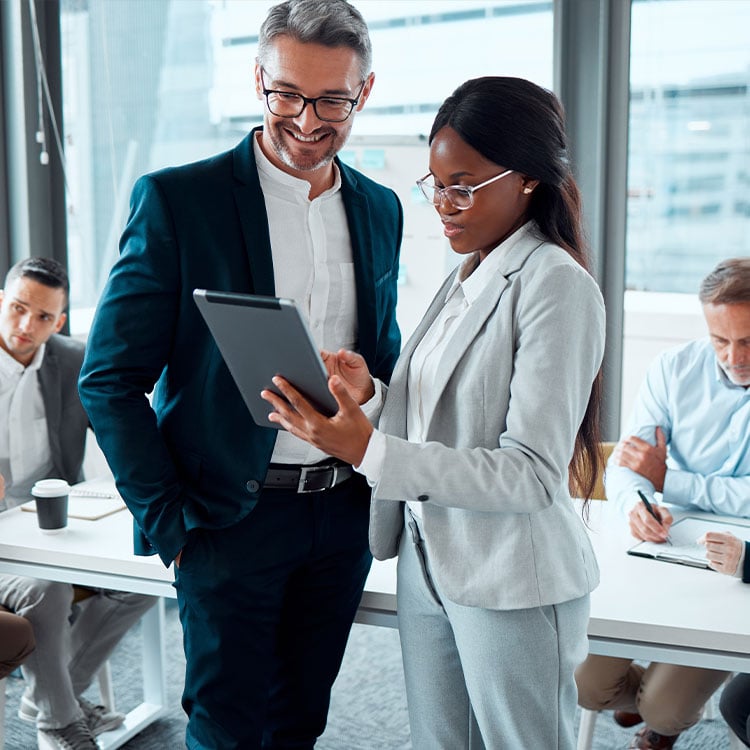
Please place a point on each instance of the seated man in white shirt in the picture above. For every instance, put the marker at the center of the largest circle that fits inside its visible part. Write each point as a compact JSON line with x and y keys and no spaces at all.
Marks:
{"x":689,"y":440}
{"x":43,"y":434}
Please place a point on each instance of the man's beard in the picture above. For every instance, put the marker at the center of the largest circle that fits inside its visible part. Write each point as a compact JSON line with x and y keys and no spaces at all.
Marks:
{"x":303,"y":163}
{"x":735,"y":377}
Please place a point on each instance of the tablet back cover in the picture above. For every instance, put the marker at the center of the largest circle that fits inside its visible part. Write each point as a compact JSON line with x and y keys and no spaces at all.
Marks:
{"x":260,"y":337}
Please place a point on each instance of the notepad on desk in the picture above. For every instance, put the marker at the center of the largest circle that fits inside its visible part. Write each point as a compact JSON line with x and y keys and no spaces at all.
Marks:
{"x":684,"y":535}
{"x":90,"y":500}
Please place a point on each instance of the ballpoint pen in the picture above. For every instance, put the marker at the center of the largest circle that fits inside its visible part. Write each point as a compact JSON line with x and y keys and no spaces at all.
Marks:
{"x":652,"y":512}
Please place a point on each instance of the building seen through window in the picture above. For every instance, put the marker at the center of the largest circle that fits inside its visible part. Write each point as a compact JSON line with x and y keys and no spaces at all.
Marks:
{"x":150,"y":83}
{"x":689,"y":151}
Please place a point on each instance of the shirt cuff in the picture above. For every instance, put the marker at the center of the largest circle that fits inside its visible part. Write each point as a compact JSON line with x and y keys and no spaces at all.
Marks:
{"x":374,"y":405}
{"x":374,"y":458}
{"x":740,"y":572}
{"x":677,"y":486}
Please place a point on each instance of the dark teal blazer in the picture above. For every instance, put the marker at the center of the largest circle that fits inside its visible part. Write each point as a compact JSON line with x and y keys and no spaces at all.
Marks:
{"x":197,"y":459}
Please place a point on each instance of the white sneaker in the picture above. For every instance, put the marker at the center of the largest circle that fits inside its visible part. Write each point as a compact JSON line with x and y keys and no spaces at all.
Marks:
{"x":76,"y":736}
{"x":98,"y":718}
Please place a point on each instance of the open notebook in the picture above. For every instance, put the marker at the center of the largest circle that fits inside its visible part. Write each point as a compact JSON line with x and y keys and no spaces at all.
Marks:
{"x":684,"y":534}
{"x":90,"y":500}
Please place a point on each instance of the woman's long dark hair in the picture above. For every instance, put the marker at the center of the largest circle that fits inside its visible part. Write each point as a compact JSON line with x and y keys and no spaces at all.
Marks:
{"x":521,"y":126}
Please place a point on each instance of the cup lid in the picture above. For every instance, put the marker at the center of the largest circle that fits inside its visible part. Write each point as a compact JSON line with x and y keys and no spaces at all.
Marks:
{"x":50,"y":488}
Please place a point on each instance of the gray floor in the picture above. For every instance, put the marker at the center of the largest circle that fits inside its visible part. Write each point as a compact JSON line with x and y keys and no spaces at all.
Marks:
{"x":368,"y":710}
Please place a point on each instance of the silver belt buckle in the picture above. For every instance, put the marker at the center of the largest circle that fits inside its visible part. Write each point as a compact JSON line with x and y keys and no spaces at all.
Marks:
{"x":304,"y":471}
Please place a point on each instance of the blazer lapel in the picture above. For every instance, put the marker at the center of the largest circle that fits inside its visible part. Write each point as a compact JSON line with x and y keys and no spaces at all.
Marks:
{"x":467,"y":331}
{"x":393,"y":416}
{"x":49,"y":384}
{"x":359,"y":221}
{"x":514,"y":257}
{"x":251,"y":209}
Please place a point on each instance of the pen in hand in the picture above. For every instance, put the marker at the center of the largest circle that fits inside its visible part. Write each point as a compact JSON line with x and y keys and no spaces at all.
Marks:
{"x":652,"y":512}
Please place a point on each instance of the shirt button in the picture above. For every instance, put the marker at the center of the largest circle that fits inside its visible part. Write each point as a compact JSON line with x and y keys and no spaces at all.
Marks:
{"x":252,"y":486}
{"x":423,"y":498}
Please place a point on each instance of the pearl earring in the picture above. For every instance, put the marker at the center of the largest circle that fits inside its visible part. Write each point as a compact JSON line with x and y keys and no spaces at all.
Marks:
{"x":527,"y":190}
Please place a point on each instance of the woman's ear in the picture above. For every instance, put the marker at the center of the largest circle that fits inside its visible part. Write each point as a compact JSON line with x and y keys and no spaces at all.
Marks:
{"x":528,"y":185}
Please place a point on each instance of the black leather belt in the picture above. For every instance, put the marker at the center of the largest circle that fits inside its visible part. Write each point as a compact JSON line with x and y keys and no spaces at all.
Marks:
{"x":312,"y":478}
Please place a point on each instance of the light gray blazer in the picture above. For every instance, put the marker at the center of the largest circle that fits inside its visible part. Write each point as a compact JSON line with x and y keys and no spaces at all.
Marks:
{"x":499,"y":524}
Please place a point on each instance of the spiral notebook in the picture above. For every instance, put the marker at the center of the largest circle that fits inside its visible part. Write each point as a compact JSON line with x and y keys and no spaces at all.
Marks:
{"x":684,"y":534}
{"x":90,"y":500}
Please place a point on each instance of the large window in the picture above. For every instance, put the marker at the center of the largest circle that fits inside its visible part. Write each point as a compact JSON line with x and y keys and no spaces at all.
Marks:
{"x":149,"y":83}
{"x":689,"y":167}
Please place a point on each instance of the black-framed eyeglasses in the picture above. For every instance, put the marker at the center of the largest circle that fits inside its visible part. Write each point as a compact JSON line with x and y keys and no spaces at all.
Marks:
{"x":459,"y":196}
{"x":327,"y":108}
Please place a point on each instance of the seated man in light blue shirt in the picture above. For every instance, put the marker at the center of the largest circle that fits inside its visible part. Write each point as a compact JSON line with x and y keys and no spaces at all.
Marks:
{"x":689,"y":440}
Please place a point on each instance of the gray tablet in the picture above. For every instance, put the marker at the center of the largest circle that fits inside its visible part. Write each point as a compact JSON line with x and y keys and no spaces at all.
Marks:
{"x":260,"y":337}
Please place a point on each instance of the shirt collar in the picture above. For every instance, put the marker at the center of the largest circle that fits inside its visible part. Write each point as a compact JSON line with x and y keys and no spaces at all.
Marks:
{"x":273,"y":177}
{"x":474,"y":277}
{"x":10,"y":366}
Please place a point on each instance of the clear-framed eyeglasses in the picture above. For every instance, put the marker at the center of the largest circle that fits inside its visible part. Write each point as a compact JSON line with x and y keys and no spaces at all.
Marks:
{"x":459,"y":196}
{"x":327,"y":108}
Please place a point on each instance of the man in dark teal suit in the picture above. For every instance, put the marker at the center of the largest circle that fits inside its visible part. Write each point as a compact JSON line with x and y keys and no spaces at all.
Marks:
{"x":268,"y":573}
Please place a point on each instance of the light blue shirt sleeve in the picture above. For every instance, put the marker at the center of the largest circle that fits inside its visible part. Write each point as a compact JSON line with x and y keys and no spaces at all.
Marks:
{"x":651,"y":410}
{"x":711,"y":492}
{"x":706,"y":421}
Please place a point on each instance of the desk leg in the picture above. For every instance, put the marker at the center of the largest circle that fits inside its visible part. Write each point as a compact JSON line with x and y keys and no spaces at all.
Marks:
{"x":154,"y":682}
{"x":154,"y":674}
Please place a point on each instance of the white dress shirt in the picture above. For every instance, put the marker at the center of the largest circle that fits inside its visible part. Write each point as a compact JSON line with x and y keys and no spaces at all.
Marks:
{"x":313,"y":265}
{"x":472,"y":279}
{"x":24,"y":441}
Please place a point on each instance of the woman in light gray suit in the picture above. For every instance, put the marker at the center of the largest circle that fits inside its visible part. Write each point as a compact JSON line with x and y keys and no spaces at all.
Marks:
{"x":493,"y":402}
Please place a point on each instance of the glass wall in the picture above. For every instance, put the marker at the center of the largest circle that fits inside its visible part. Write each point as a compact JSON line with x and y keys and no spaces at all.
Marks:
{"x":689,"y":167}
{"x":150,"y":83}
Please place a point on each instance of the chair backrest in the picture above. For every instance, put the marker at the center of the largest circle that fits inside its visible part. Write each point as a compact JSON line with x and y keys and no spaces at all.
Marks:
{"x":599,"y":494}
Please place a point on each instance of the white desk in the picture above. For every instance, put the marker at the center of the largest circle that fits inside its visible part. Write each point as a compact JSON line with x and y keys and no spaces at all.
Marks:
{"x":642,"y":609}
{"x":661,"y":611}
{"x":645,"y":609}
{"x":98,"y":553}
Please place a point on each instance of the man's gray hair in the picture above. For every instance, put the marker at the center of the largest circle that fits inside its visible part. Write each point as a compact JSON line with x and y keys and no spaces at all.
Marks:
{"x":727,"y":284}
{"x":331,"y":23}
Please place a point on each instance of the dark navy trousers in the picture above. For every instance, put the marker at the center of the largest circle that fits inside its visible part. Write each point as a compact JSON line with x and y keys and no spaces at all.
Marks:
{"x":266,"y":608}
